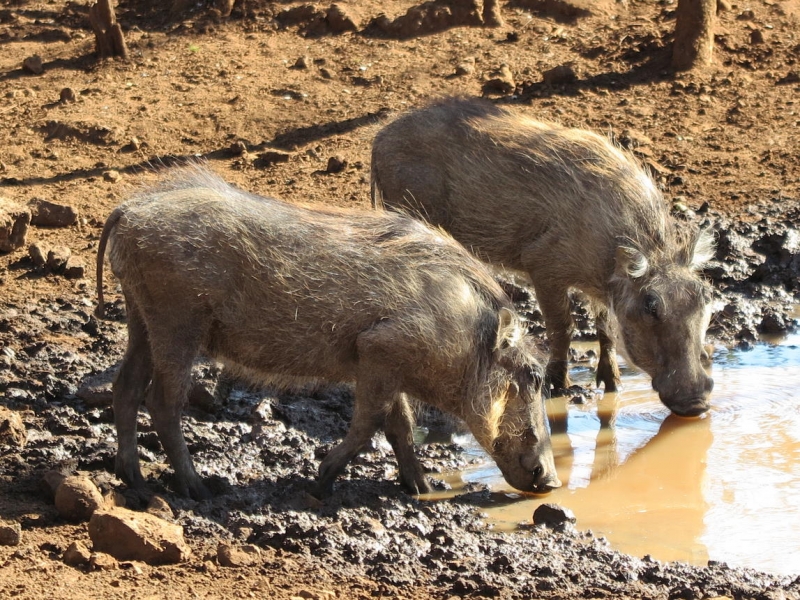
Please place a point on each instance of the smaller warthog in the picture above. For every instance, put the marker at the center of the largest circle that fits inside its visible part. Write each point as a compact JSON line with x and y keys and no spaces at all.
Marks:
{"x":570,"y":209}
{"x":272,"y":289}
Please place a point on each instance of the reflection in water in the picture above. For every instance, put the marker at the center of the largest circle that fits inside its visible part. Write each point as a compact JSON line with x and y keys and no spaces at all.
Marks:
{"x":725,"y":486}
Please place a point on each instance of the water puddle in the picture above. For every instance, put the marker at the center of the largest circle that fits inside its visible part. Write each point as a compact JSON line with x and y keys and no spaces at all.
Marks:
{"x":722,"y":487}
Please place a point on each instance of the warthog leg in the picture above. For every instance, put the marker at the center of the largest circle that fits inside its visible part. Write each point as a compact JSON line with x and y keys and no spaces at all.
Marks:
{"x":607,"y":368}
{"x":367,"y":420}
{"x":399,"y":430}
{"x":174,"y":344}
{"x":168,"y":393}
{"x":130,"y":386}
{"x":556,"y":310}
{"x":553,"y":299}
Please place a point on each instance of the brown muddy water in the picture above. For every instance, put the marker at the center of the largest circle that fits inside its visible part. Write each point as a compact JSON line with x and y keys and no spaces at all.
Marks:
{"x":722,"y":487}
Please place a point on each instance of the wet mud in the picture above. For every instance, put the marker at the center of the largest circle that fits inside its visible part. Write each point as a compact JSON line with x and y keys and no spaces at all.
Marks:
{"x":259,"y":450}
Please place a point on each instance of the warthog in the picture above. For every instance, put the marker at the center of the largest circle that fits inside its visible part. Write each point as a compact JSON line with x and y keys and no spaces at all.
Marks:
{"x":272,"y":289}
{"x":570,"y":209}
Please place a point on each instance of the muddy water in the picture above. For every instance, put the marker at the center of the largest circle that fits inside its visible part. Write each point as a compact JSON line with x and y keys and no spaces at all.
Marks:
{"x":722,"y":487}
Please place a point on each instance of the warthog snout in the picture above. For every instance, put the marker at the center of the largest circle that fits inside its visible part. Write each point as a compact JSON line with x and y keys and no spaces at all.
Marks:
{"x":686,"y":402}
{"x":531,"y":472}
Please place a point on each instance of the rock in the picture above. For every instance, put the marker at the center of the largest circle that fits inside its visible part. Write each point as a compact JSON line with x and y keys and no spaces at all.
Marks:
{"x":560,"y":75}
{"x":77,"y":498}
{"x":160,"y":508}
{"x":465,"y":67}
{"x":67,"y":95}
{"x":57,"y":258}
{"x":336,"y":164}
{"x":76,"y":555}
{"x":301,"y":63}
{"x":51,"y":480}
{"x":341,"y":19}
{"x":238,"y":148}
{"x":553,"y":516}
{"x":10,"y":533}
{"x":756,"y":37}
{"x":75,"y":270}
{"x":96,"y":389}
{"x":297,"y":15}
{"x":14,"y":221}
{"x":500,"y":81}
{"x":129,"y":535}
{"x":38,"y":254}
{"x":112,"y":176}
{"x":33,"y":64}
{"x":631,"y":138}
{"x":100,"y":561}
{"x":49,"y":214}
{"x":228,"y":556}
{"x":271,"y":157}
{"x":113,"y":498}
{"x":12,"y":429}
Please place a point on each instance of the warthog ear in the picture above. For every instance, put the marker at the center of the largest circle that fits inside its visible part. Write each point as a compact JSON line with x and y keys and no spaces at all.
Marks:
{"x":630,"y":262}
{"x":703,"y":249}
{"x":508,"y":329}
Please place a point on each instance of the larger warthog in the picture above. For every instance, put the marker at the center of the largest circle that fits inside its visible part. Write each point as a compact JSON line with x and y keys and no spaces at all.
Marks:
{"x":273,"y":289}
{"x":571,"y":210}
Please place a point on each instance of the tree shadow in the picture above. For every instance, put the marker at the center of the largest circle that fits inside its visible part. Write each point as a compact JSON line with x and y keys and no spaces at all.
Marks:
{"x":302,"y":136}
{"x":649,"y":65}
{"x":289,"y":140}
{"x":77,"y":63}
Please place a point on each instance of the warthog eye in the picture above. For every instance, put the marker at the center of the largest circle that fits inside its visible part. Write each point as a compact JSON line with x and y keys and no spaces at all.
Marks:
{"x":529,"y":438}
{"x":531,"y":377}
{"x":652,"y":305}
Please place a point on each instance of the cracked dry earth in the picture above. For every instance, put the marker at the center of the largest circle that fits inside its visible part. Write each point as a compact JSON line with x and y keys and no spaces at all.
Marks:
{"x":283,"y":100}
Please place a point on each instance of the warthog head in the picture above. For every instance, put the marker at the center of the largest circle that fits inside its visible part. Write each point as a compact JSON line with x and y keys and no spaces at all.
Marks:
{"x":515,"y":431}
{"x":663,"y":310}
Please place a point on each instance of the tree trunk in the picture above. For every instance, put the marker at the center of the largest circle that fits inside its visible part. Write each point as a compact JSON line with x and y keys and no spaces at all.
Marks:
{"x":694,"y":34}
{"x":107,"y":32}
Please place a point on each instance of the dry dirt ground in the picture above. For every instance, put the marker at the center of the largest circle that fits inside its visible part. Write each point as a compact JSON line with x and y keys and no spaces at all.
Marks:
{"x":285,"y":103}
